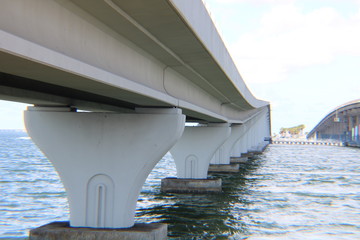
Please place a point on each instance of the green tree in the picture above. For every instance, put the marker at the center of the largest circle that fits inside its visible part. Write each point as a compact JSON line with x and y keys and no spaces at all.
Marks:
{"x":293,"y":130}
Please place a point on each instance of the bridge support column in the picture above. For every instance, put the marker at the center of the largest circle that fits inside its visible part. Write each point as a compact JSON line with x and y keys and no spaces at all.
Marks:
{"x":244,"y":144}
{"x":261,"y":132}
{"x":221,"y":159}
{"x":103,"y":159}
{"x":238,"y":147}
{"x":192,"y":155}
{"x":247,"y":145}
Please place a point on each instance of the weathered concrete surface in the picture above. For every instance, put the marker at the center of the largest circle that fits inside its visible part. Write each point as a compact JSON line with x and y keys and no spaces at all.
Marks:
{"x":193,"y":151}
{"x":259,"y":150}
{"x":184,"y":62}
{"x":239,"y":159}
{"x":62,"y":231}
{"x":103,"y":190}
{"x":186,"y":185}
{"x":224,"y":168}
{"x":248,"y":154}
{"x":256,"y":152}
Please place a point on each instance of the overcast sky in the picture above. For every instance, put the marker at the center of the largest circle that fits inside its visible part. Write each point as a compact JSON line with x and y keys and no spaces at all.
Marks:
{"x":301,"y":55}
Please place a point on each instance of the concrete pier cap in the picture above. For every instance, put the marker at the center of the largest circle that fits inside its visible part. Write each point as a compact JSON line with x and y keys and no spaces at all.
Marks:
{"x":103,"y":159}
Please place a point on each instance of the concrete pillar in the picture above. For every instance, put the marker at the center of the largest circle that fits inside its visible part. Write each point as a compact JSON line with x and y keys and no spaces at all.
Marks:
{"x":260,"y":131}
{"x":247,"y":138}
{"x":103,"y":159}
{"x":250,"y":134}
{"x":243,"y":143}
{"x":218,"y":155}
{"x":237,"y":151}
{"x":192,"y":155}
{"x":255,"y":135}
{"x":239,"y":146}
{"x":193,"y":152}
{"x":265,"y":131}
{"x":221,"y":159}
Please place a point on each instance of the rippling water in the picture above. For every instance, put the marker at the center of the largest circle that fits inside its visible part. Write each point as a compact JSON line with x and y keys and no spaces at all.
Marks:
{"x":289,"y":192}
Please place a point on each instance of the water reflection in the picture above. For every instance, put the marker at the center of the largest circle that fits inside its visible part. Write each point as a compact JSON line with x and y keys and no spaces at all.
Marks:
{"x":206,"y":216}
{"x":289,"y":192}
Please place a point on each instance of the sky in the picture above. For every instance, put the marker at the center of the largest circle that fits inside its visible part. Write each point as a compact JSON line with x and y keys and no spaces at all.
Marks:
{"x":303,"y":56}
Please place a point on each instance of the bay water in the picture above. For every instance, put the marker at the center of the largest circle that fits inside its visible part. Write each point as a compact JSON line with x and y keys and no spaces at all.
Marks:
{"x":288,"y":192}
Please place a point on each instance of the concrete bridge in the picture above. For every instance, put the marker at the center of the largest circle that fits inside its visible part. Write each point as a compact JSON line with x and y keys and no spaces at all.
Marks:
{"x":138,"y":71}
{"x":342,"y":124}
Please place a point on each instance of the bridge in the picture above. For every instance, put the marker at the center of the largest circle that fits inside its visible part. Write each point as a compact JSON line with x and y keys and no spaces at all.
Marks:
{"x":112,"y":84}
{"x":341,"y":124}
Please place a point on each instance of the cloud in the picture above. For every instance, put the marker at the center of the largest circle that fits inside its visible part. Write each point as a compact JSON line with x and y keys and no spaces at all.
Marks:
{"x":255,"y":1}
{"x":289,"y":39}
{"x":259,"y":2}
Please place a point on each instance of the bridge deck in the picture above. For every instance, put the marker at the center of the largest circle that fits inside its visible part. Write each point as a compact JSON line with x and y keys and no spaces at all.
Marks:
{"x":119,"y":55}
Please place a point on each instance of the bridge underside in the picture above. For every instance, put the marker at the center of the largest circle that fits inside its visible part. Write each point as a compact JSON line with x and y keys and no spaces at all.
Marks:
{"x":117,"y":55}
{"x":25,"y":90}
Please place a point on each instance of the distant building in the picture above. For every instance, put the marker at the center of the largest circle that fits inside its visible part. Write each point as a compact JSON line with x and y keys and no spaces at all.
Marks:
{"x":341,"y":124}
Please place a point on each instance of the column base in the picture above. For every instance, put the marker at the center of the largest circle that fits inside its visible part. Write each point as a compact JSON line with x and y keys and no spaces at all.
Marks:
{"x":224,"y":168}
{"x":248,"y":155}
{"x":239,"y":159}
{"x":187,"y":185}
{"x":256,"y":152}
{"x":63,"y":231}
{"x":259,"y":149}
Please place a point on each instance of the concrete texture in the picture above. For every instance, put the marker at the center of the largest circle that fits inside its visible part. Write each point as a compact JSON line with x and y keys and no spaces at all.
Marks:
{"x":97,"y":156}
{"x":249,"y":154}
{"x":179,"y":185}
{"x":222,"y":156}
{"x":193,"y":152}
{"x":175,"y":71}
{"x":62,"y":231}
{"x":239,"y":159}
{"x":224,"y":168}
{"x":259,"y":149}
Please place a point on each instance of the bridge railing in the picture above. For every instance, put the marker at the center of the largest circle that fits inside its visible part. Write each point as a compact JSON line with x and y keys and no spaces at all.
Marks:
{"x":306,"y":142}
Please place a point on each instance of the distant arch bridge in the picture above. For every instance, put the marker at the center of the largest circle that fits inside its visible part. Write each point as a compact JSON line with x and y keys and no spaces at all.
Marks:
{"x":341,"y":124}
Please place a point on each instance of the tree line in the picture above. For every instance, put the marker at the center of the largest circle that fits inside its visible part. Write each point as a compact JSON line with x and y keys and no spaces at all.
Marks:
{"x":293,"y":130}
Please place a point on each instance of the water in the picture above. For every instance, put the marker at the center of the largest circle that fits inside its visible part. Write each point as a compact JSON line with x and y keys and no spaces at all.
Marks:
{"x":289,"y":192}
